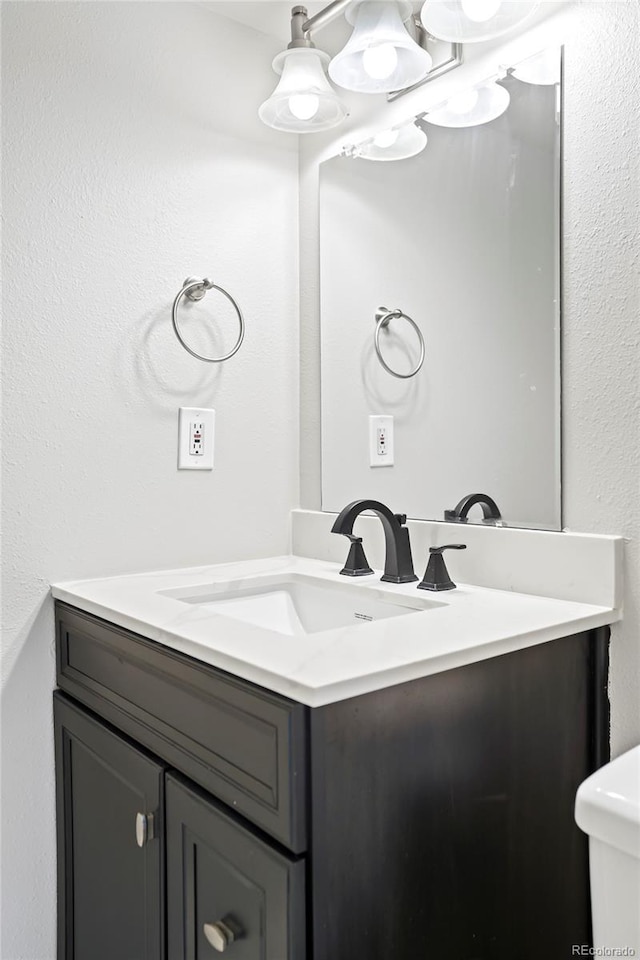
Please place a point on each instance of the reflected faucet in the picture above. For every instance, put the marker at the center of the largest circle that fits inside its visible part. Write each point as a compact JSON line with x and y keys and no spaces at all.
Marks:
{"x":490,"y":511}
{"x":398,"y":562}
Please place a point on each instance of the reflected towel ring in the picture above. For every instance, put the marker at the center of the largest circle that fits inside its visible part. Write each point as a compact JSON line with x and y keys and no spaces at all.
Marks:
{"x":383,"y":317}
{"x":195,"y":289}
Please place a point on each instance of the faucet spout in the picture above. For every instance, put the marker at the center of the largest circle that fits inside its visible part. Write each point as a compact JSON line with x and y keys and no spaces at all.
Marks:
{"x":398,"y":564}
{"x":490,"y":511}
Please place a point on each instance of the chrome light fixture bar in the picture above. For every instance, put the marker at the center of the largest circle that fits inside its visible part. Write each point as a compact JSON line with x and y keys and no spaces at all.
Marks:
{"x":326,"y":16}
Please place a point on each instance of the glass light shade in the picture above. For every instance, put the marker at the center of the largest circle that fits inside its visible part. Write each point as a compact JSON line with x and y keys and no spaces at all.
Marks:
{"x":380,"y":55}
{"x":471,"y":21}
{"x":466,"y":110}
{"x":304,"y":101}
{"x":397,"y":144}
{"x":543,"y":69}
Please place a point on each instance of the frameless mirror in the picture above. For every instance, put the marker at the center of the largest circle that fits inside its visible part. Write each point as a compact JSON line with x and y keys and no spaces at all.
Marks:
{"x":463,"y":239}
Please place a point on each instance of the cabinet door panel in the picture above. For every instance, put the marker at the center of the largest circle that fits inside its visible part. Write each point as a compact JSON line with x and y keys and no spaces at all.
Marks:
{"x":218,"y":871}
{"x":110,"y":888}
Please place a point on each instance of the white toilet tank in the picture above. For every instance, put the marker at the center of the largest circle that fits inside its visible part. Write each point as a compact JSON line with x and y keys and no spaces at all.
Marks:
{"x":608,"y":809}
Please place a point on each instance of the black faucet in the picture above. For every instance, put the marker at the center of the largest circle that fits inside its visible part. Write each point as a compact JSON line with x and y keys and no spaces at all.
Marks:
{"x":398,"y":563}
{"x":490,"y":511}
{"x":436,"y":576}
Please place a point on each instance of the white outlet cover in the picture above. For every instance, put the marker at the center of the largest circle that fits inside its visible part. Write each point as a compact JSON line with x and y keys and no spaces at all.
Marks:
{"x":381,"y":446}
{"x":199,"y":423}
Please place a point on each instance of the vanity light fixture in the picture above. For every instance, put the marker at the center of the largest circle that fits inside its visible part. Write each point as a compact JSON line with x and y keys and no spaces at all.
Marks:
{"x":471,"y":107}
{"x":397,"y":143}
{"x":472,"y":21}
{"x":381,"y":55}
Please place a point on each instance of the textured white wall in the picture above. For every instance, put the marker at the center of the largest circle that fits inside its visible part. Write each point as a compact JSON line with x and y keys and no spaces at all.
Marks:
{"x":601,"y":292}
{"x":130,"y":161}
{"x":601,"y":325}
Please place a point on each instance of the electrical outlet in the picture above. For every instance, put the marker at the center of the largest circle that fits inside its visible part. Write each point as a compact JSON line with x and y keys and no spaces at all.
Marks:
{"x":381,"y":441}
{"x":196,"y":438}
{"x":196,"y":435}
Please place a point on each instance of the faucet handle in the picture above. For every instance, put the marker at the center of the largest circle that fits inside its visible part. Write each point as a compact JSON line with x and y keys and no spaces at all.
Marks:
{"x":357,"y":564}
{"x":436,"y":575}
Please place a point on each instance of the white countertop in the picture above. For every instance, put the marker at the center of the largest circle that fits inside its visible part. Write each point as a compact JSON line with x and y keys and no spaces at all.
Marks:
{"x":472,"y":624}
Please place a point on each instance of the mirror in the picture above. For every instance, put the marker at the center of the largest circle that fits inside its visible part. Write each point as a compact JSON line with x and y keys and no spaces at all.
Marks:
{"x":464,"y":239}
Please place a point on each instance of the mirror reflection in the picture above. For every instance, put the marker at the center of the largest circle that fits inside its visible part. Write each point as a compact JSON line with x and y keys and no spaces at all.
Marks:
{"x":454,"y":246}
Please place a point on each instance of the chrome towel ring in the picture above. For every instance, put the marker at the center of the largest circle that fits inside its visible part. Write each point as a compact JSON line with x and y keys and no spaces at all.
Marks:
{"x":195,"y":289}
{"x":383,"y":318}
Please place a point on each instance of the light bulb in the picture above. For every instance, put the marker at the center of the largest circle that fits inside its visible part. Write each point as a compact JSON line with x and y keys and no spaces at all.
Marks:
{"x":386,"y":138}
{"x":463,"y":102}
{"x":304,"y":106}
{"x":480,"y":10}
{"x":380,"y":61}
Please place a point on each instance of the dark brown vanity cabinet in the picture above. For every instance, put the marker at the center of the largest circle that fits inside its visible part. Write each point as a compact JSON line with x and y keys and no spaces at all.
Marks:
{"x":199,"y":814}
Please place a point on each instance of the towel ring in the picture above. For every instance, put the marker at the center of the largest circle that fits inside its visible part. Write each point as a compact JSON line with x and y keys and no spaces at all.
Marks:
{"x":195,"y":289}
{"x":383,"y":317}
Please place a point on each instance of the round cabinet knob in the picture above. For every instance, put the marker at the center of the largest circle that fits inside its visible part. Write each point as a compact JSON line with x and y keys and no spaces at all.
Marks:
{"x":219,"y":935}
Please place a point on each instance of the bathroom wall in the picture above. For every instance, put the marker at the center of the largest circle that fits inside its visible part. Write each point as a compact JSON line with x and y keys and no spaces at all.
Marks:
{"x":127,"y":167}
{"x":601,"y":342}
{"x":601,"y":293}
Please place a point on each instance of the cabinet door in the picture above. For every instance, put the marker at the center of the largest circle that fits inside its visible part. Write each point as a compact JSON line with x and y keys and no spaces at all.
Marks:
{"x":110,"y":859}
{"x":227,"y":890}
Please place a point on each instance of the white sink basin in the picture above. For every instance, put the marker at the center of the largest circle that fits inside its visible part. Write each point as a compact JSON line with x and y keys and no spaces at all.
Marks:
{"x":297,"y":605}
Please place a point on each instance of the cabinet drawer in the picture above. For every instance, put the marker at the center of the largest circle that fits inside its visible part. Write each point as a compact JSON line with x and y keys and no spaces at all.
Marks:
{"x":221,"y":879}
{"x":240,"y":742}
